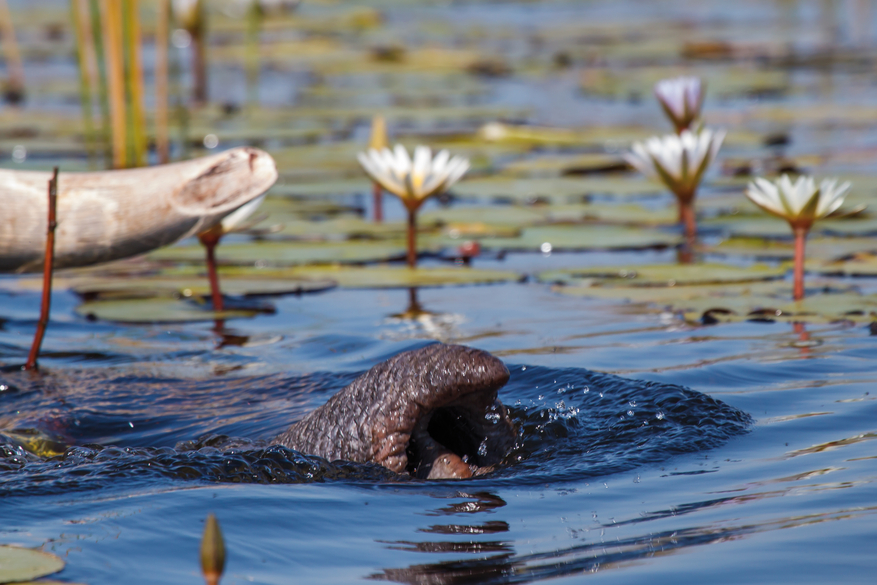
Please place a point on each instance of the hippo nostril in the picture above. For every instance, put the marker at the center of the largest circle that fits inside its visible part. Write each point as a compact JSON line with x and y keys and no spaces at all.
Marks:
{"x":452,"y":427}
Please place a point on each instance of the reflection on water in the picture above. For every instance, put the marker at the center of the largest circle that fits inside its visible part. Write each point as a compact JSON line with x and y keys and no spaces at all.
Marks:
{"x":600,"y":555}
{"x":416,"y":321}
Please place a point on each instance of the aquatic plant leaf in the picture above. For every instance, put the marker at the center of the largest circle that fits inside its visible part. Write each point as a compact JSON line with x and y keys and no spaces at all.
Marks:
{"x":552,"y":165}
{"x":721,"y":80}
{"x":186,"y":286}
{"x":556,"y":189}
{"x":293,"y":253}
{"x":819,"y":248}
{"x":382,"y":276}
{"x":158,"y":310}
{"x":660,"y":275}
{"x":583,"y":237}
{"x":863,"y":264}
{"x":759,"y":301}
{"x":23,"y":564}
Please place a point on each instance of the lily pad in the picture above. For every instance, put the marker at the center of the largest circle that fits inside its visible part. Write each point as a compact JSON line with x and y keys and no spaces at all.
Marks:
{"x":762,"y":301}
{"x":720,"y":80}
{"x":552,"y":165}
{"x":382,"y":276}
{"x":555,"y":189}
{"x":822,"y":249}
{"x":157,"y":310}
{"x":661,"y":275}
{"x":183,"y":286}
{"x":24,"y":564}
{"x":292,"y":253}
{"x":858,"y":265}
{"x":583,"y":237}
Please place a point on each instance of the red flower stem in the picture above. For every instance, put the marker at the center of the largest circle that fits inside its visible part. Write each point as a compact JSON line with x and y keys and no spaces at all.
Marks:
{"x":48,"y":262}
{"x":209,"y":241}
{"x":379,"y":202}
{"x":800,"y":239}
{"x":689,"y":221}
{"x":412,"y":238}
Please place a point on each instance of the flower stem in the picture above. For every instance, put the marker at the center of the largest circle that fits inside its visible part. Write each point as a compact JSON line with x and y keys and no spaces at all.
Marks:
{"x":412,"y":238}
{"x":687,"y":217}
{"x":209,"y":240}
{"x":48,"y":267}
{"x":800,"y":239}
{"x":379,"y":207}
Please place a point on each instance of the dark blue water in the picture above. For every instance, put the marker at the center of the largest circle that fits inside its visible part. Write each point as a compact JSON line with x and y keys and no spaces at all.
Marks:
{"x":590,"y":489}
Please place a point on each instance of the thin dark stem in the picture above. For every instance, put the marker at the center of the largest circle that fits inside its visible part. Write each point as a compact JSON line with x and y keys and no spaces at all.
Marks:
{"x":48,"y":262}
{"x":800,"y":239}
{"x":689,"y":221}
{"x":199,"y":66}
{"x":412,"y":238}
{"x":209,"y":241}
{"x":379,"y":202}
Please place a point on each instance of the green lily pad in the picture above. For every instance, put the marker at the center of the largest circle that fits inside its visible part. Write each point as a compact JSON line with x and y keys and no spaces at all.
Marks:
{"x":24,"y":564}
{"x":556,"y":189}
{"x":814,"y":308}
{"x":821,"y":248}
{"x":761,"y":300}
{"x":292,"y":253}
{"x":552,"y":165}
{"x":720,"y":80}
{"x":583,"y":237}
{"x":182,"y":286}
{"x":661,"y":275}
{"x":857,"y":265}
{"x":381,"y":276}
{"x":157,"y":310}
{"x":766,"y":226}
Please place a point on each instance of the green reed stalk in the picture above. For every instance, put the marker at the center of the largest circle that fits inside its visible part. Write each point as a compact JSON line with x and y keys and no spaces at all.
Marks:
{"x":136,"y":134}
{"x":14,"y":90}
{"x":162,"y":140}
{"x":85,"y":55}
{"x":103,"y":91}
{"x":111,"y":11}
{"x":251,"y":59}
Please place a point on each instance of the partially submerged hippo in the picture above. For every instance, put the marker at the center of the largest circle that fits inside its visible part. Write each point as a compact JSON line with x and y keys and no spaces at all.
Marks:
{"x":431,"y":412}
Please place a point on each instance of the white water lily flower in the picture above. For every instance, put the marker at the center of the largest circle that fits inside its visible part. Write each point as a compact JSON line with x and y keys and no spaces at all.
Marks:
{"x":800,"y":203}
{"x":679,"y":161}
{"x":185,"y":12}
{"x":413,"y":180}
{"x":681,"y":99}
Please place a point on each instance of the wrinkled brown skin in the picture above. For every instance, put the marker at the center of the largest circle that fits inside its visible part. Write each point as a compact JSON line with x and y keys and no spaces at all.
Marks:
{"x":374,"y":419}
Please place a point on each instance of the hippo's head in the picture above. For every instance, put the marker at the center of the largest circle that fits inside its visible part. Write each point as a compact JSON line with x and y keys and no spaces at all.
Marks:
{"x":431,"y":413}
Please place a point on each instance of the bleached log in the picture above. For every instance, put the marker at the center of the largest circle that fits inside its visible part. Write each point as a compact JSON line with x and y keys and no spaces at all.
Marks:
{"x":104,"y":216}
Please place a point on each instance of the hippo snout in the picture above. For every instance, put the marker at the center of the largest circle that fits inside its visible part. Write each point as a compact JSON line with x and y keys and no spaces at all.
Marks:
{"x":431,"y":413}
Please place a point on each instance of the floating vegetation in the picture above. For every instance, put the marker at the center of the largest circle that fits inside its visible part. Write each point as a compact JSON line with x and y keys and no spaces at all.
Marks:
{"x":24,"y":564}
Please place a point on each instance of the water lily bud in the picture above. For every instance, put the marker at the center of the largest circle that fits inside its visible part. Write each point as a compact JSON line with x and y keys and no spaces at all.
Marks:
{"x":187,"y":13}
{"x":212,"y":551}
{"x":378,"y":140}
{"x":681,"y":99}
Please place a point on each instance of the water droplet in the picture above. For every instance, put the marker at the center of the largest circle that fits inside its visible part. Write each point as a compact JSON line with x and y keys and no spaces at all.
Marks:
{"x":19,"y":153}
{"x":181,"y":38}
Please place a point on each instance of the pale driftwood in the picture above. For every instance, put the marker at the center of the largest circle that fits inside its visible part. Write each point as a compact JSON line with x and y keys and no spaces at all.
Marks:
{"x":109,"y":215}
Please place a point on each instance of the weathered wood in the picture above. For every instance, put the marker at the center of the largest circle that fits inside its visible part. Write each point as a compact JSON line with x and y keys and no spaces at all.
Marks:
{"x":109,"y":215}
